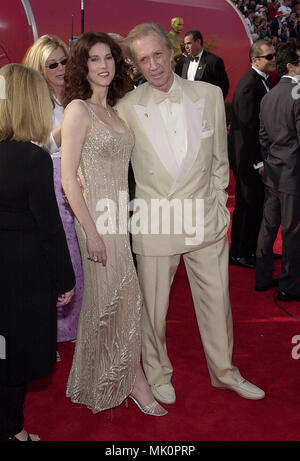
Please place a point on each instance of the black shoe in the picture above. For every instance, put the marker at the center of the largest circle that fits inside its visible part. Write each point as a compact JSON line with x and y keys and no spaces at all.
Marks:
{"x":283,"y":296}
{"x":274,"y":283}
{"x":248,"y":262}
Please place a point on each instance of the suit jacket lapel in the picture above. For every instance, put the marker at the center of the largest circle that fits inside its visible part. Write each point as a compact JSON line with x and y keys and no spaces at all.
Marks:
{"x":193,"y":106}
{"x":201,"y":67}
{"x":185,"y":68}
{"x":152,"y":122}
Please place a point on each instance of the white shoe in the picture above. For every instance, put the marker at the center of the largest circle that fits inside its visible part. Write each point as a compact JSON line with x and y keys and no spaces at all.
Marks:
{"x":247,"y":390}
{"x":164,"y":393}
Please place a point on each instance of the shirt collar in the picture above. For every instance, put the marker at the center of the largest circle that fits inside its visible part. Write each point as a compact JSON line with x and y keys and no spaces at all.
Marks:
{"x":260,"y":72}
{"x":199,"y":55}
{"x":295,"y":79}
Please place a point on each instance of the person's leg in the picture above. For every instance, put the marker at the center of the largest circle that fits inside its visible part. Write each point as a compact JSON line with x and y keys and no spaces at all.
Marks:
{"x":143,"y":396}
{"x":11,"y":410}
{"x":155,"y":276}
{"x":207,"y":271}
{"x":290,"y":228}
{"x":267,"y":236}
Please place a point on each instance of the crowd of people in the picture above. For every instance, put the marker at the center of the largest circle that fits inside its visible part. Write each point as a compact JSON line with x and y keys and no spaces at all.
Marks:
{"x":83,"y":108}
{"x":277,"y":19}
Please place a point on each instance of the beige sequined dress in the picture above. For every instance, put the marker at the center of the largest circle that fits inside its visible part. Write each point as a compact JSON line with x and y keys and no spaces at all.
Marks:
{"x":107,"y":351}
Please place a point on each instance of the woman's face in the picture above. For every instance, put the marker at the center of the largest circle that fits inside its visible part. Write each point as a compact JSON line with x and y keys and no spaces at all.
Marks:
{"x":55,"y":76}
{"x":101,"y":65}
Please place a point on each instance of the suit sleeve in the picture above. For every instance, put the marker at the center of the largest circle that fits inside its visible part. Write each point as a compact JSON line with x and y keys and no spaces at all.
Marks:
{"x":43,"y":205}
{"x":220,"y":165}
{"x":296,"y":109}
{"x":247,"y":112}
{"x":264,"y":139}
{"x":221,"y":77}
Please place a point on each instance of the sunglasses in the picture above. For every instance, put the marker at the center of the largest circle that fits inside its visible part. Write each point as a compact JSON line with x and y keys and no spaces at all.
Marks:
{"x":54,"y":65}
{"x":268,"y":57}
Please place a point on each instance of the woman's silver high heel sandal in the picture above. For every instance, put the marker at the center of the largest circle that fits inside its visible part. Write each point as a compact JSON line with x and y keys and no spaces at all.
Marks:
{"x":148,"y":409}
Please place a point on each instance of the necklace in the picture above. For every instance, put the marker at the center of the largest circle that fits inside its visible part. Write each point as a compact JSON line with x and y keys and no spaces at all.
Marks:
{"x":104,"y":108}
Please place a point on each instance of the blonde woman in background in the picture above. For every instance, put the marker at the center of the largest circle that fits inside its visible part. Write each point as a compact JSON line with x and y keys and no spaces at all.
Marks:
{"x":49,"y":55}
{"x":36,"y":273}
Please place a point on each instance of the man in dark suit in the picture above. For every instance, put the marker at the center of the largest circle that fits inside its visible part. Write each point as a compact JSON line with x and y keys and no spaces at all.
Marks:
{"x":280,"y":142}
{"x":245,"y":156}
{"x":201,"y":64}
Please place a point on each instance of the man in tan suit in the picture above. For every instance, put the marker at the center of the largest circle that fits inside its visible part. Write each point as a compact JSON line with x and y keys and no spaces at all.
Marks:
{"x":180,"y":166}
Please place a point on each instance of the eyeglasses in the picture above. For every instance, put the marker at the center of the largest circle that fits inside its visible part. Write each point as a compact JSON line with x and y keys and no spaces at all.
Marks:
{"x":268,"y":57}
{"x":295,"y":63}
{"x":54,"y":65}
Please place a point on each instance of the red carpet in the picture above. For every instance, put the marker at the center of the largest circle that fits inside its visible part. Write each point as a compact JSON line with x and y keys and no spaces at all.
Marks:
{"x":263,"y":352}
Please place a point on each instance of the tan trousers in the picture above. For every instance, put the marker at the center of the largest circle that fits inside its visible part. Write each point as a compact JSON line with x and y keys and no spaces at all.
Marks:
{"x":207,"y":271}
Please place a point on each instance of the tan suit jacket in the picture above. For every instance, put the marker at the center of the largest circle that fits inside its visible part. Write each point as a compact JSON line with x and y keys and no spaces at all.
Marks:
{"x":201,"y":178}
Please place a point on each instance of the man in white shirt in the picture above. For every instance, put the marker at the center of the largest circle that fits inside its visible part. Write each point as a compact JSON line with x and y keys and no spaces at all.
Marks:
{"x":285,"y":8}
{"x":180,"y":160}
{"x":201,"y":65}
{"x":279,"y":137}
{"x":245,"y":155}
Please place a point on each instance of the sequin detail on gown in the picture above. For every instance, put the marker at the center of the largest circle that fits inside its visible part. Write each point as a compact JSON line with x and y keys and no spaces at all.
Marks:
{"x":108,"y":346}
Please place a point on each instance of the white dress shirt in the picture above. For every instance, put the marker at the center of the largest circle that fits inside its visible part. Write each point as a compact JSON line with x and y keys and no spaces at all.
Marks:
{"x":193,"y":67}
{"x":58,"y":113}
{"x":174,"y":121}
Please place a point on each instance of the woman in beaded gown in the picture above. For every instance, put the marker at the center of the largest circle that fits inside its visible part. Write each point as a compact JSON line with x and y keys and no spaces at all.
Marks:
{"x":96,"y":146}
{"x":48,"y":55}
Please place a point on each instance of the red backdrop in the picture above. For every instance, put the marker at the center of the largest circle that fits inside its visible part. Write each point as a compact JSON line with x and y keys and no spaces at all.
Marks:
{"x":218,"y":21}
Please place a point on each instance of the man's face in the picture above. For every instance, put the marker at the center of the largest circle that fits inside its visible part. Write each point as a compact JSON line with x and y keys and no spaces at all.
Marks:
{"x":295,"y":69}
{"x":154,"y":60}
{"x":263,"y":64}
{"x":192,"y":47}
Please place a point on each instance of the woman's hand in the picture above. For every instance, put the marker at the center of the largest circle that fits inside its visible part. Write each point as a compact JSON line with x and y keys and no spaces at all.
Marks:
{"x":96,"y":249}
{"x":65,"y":298}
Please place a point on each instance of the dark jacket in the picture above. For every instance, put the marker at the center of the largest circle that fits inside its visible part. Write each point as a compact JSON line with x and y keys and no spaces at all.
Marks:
{"x":244,"y":147}
{"x":280,"y":137}
{"x":211,"y":69}
{"x":35,"y":262}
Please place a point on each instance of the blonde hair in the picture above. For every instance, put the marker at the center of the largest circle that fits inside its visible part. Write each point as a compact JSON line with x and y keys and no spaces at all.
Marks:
{"x":38,"y":54}
{"x":26,"y":108}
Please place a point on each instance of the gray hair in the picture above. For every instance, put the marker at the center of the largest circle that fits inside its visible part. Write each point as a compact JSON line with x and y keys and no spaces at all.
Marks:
{"x":142,"y":30}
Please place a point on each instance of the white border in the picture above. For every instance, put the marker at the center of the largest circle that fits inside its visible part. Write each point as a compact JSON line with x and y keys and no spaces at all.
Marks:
{"x":242,"y":19}
{"x":30,"y":18}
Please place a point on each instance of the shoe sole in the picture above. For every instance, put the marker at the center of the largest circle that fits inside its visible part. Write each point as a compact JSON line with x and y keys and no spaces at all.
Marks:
{"x":244,"y":396}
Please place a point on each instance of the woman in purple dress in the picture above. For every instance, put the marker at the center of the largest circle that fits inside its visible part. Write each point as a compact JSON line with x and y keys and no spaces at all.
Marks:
{"x":49,"y":55}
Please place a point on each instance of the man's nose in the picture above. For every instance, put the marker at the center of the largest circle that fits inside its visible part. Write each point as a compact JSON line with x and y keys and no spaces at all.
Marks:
{"x":153,"y":62}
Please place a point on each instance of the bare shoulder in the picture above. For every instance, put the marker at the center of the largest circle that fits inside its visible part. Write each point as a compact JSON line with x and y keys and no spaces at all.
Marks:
{"x":76,"y":108}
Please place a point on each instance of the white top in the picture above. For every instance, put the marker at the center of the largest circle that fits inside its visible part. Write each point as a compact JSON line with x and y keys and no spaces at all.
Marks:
{"x":58,"y":113}
{"x":193,"y":67}
{"x":174,"y":121}
{"x":285,"y":10}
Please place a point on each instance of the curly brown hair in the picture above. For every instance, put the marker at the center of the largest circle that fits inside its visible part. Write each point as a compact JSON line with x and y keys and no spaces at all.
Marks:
{"x":76,"y":83}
